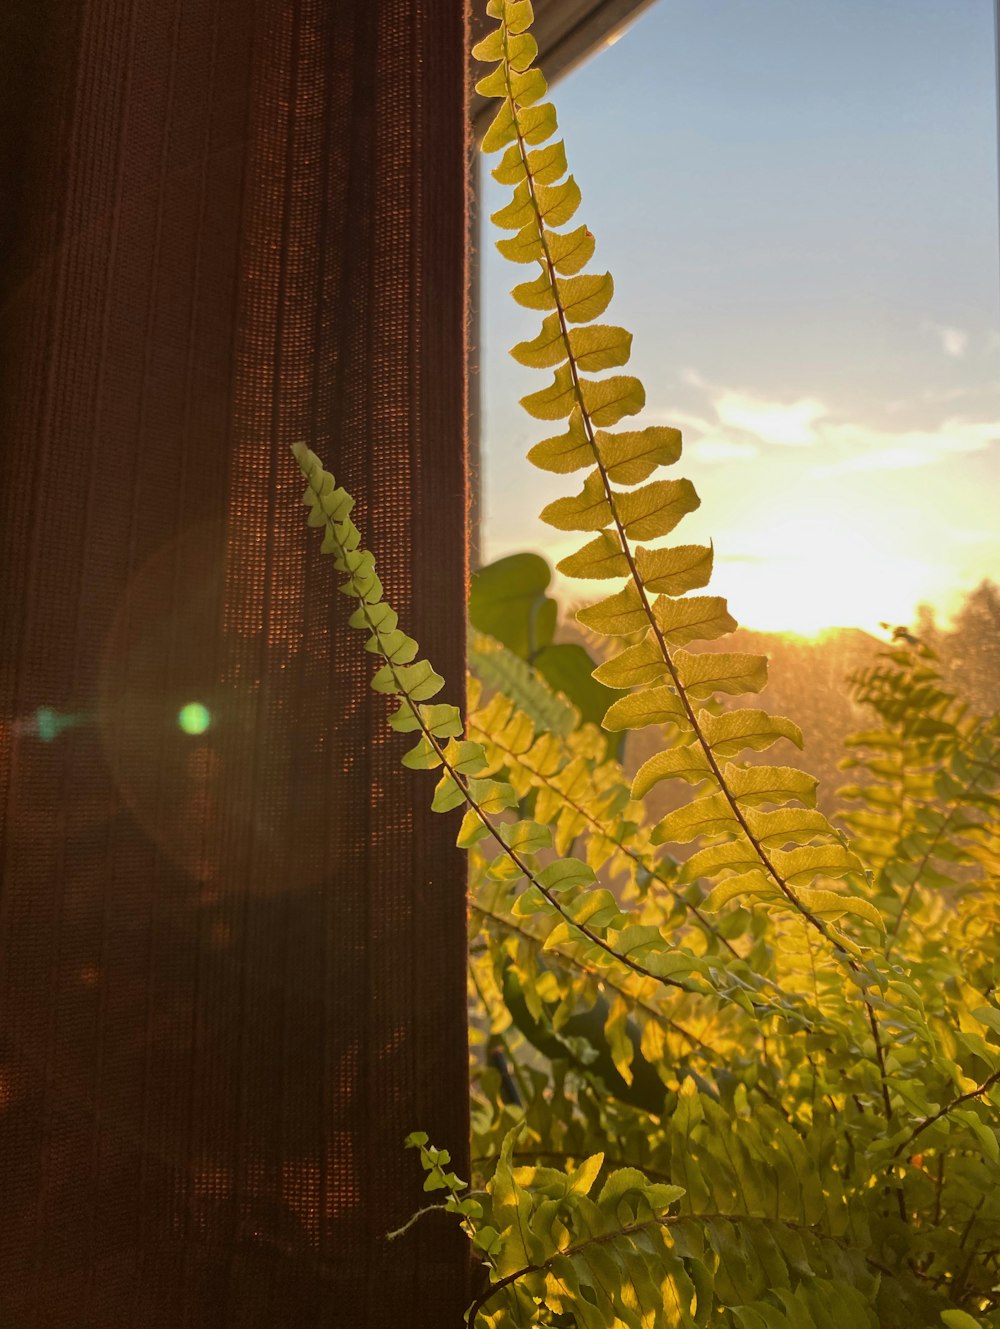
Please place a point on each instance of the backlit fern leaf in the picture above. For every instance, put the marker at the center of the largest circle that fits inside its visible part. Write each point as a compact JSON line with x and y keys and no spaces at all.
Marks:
{"x":765,"y":856}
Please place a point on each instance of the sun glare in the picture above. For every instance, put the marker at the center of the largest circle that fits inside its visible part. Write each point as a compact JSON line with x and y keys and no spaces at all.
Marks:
{"x":804,"y":576}
{"x":807,"y":575}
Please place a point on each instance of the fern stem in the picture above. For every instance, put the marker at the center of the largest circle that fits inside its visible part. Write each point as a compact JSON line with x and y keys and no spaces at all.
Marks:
{"x":921,"y":1126}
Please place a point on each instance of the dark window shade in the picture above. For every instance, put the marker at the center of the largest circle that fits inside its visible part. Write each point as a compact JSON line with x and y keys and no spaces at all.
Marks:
{"x":232,"y":965}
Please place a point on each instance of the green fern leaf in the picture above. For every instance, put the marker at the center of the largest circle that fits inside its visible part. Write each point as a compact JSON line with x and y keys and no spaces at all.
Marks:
{"x":587,"y":511}
{"x":620,"y":614}
{"x":656,"y":508}
{"x":600,"y":558}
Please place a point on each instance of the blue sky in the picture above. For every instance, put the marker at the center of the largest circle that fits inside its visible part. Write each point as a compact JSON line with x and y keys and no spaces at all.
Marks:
{"x":798,"y":202}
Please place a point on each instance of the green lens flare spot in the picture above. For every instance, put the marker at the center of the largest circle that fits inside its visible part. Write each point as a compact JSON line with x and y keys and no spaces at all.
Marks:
{"x":194,"y":718}
{"x":48,"y":723}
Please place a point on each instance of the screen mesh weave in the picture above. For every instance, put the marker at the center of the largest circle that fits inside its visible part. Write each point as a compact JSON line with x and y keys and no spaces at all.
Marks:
{"x":232,"y":936}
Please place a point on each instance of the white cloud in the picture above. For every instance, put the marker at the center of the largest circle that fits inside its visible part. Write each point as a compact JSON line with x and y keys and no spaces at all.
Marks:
{"x":722,"y":449}
{"x":879,"y":450}
{"x":954,"y":341}
{"x":749,"y":421}
{"x":792,"y":425}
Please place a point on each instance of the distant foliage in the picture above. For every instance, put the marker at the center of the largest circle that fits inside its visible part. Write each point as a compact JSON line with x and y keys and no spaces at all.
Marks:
{"x":736,"y":1066}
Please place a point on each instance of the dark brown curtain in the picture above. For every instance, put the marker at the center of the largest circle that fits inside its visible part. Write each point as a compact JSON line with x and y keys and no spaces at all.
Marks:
{"x":232,"y":962}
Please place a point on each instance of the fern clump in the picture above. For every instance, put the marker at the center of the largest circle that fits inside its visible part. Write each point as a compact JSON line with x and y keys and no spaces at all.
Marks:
{"x":736,"y":1065}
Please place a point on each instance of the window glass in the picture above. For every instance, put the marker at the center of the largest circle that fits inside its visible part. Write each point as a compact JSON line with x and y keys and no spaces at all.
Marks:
{"x":798,"y":202}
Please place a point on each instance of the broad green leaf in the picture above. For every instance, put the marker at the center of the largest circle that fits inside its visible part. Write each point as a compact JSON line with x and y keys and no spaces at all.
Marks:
{"x":656,"y":508}
{"x":587,"y":511}
{"x":730,"y":672}
{"x":599,"y":558}
{"x":731,"y":733}
{"x":596,"y":908}
{"x":684,"y":763}
{"x":566,"y":452}
{"x":442,"y":719}
{"x":448,"y":794}
{"x":699,"y":618}
{"x":617,"y":616}
{"x":639,"y":709}
{"x":638,"y":664}
{"x":396,"y":646}
{"x":509,"y":170}
{"x":632,"y":457}
{"x":521,"y":48}
{"x":374,"y":616}
{"x":493,"y":84}
{"x":517,"y":16}
{"x":567,"y":668}
{"x":527,"y":88}
{"x":507,"y":600}
{"x":570,"y":250}
{"x":754,"y":786}
{"x":490,"y":49}
{"x":754,"y":883}
{"x":607,"y":400}
{"x":956,"y":1319}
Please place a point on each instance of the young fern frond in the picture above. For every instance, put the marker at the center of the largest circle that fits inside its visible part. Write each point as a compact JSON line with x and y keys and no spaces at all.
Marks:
{"x":592,"y":914}
{"x":926,"y":810}
{"x":761,"y":848}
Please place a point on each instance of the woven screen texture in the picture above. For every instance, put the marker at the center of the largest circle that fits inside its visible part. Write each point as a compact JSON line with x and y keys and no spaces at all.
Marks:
{"x":232,"y":962}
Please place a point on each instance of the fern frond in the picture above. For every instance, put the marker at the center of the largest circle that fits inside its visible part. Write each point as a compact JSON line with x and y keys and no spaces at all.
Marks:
{"x":654,"y":600}
{"x":926,"y":809}
{"x":563,"y":888}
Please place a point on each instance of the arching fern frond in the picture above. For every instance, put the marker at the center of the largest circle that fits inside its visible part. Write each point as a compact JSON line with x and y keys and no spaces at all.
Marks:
{"x":757,"y":848}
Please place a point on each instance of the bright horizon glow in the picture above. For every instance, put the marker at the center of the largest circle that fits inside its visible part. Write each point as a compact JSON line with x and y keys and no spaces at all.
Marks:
{"x":814,"y":298}
{"x":807,"y":575}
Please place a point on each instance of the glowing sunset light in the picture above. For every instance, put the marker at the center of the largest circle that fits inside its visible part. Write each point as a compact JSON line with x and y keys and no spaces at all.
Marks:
{"x":811,"y":278}
{"x":808,"y":574}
